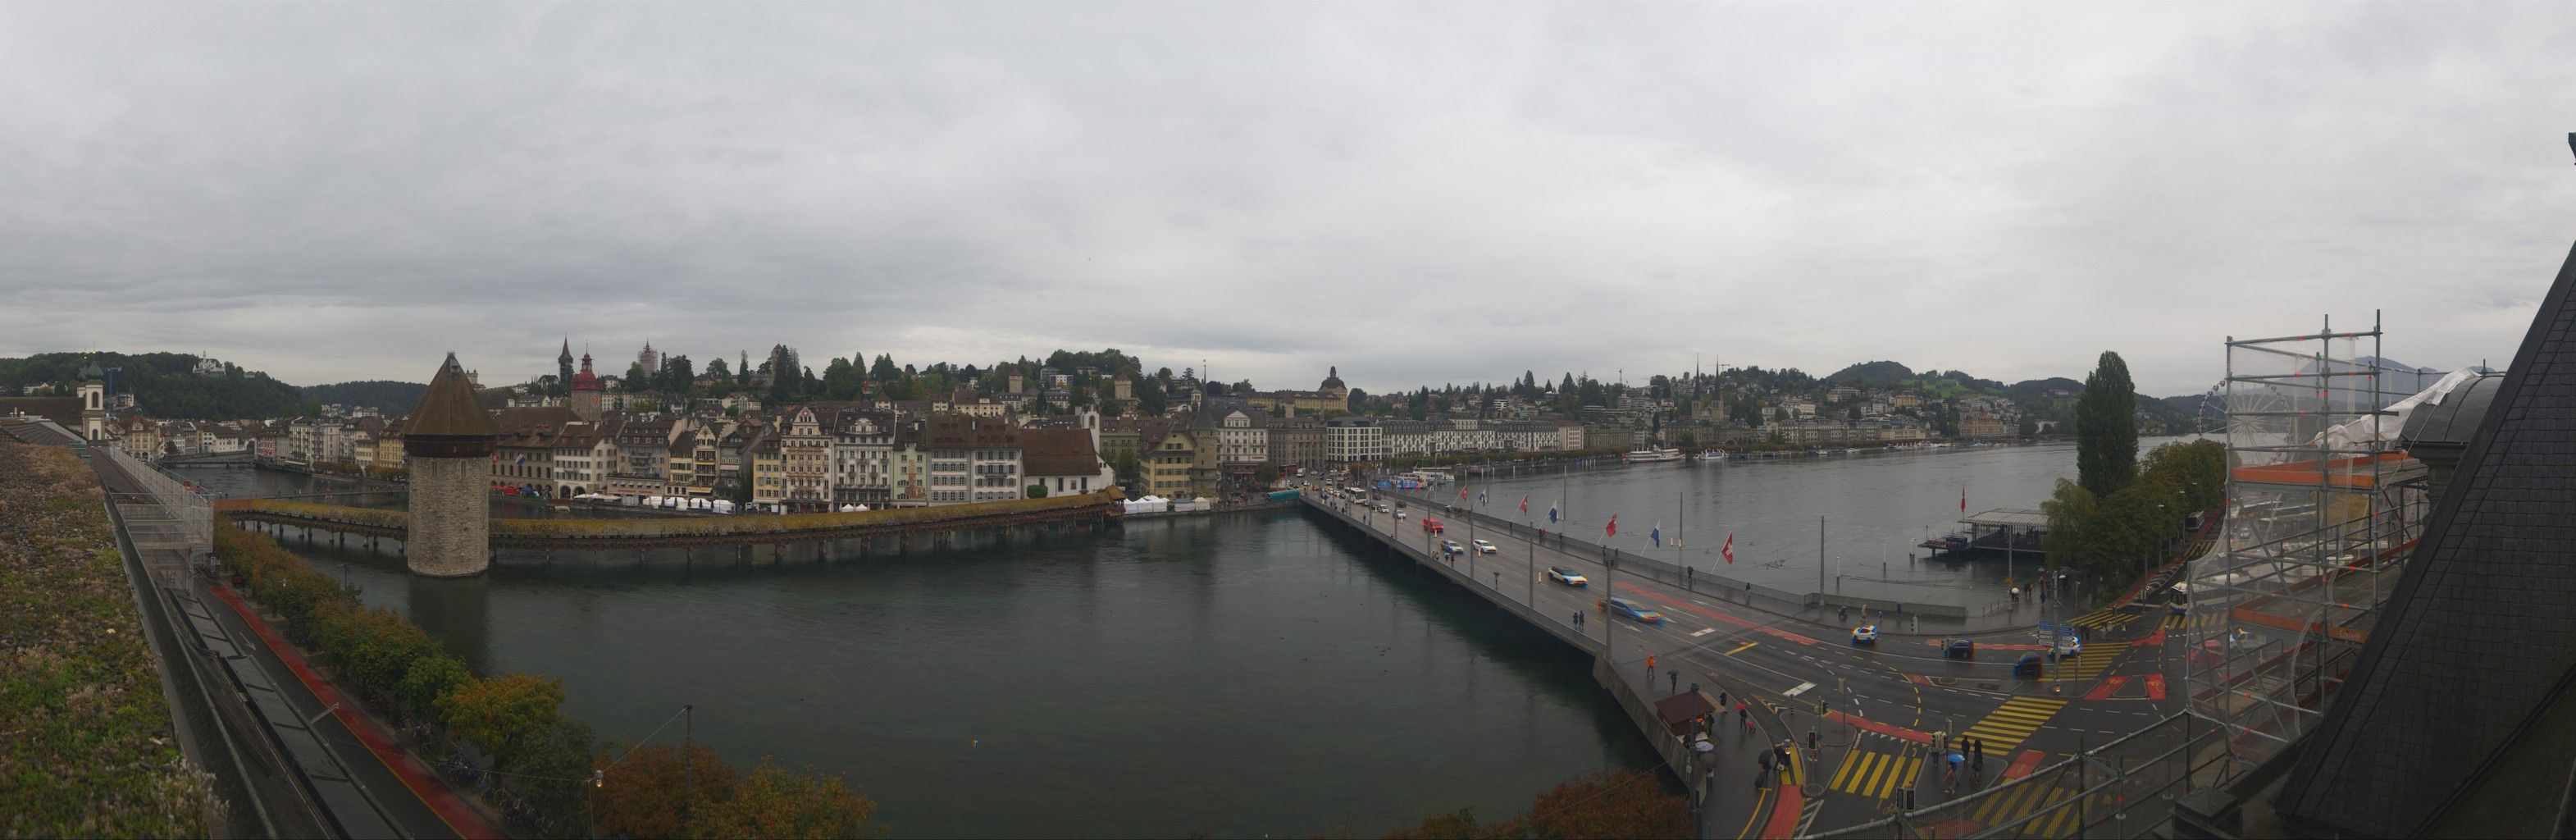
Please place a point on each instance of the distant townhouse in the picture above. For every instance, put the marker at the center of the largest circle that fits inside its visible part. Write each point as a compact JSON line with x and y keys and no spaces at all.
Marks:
{"x":1354,"y":440}
{"x":862,"y":458}
{"x":1179,"y":464}
{"x":642,"y":461}
{"x":1063,"y":461}
{"x":972,"y":459}
{"x":766,"y":468}
{"x":1242,"y":436}
{"x":806,"y":452}
{"x":1297,"y":442}
{"x":1407,"y":437}
{"x":908,"y":467}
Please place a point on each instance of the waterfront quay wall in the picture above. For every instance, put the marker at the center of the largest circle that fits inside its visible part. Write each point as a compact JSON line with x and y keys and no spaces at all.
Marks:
{"x":741,"y":530}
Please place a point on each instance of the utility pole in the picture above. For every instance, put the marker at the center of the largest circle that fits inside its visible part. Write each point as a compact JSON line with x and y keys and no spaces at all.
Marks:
{"x":1820,"y":561}
{"x":688,"y":744}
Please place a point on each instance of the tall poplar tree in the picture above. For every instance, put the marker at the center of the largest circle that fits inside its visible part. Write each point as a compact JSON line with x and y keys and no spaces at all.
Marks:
{"x":2106,"y":428}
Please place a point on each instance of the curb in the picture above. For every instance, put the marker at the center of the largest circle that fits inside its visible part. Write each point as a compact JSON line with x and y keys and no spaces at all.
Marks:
{"x":459,"y":816}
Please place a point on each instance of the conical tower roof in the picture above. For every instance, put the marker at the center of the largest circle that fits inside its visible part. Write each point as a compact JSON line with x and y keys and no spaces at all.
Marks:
{"x":448,"y":410}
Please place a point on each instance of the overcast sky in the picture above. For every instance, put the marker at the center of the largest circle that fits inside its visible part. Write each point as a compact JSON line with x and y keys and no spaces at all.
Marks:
{"x":1417,"y":194}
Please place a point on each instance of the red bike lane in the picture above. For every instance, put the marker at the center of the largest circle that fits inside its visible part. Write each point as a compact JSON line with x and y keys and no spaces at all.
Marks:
{"x":459,"y":816}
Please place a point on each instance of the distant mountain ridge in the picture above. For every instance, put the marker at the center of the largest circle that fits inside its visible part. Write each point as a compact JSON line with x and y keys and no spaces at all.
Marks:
{"x":164,"y":385}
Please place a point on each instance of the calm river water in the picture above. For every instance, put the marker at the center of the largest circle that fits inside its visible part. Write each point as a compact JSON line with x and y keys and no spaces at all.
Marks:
{"x":1245,"y":675}
{"x":1875,"y":509}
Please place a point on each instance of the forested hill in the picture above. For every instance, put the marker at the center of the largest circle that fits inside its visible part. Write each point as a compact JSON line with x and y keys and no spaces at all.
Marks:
{"x":392,"y":398}
{"x":164,"y":385}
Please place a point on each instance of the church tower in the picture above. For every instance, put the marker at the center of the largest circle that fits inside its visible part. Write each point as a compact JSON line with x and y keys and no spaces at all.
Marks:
{"x":563,"y":378}
{"x":585,"y":392}
{"x":93,"y":398}
{"x":449,"y":447}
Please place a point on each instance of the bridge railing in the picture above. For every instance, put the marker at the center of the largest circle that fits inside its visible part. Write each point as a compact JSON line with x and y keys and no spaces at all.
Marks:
{"x":1661,"y":571}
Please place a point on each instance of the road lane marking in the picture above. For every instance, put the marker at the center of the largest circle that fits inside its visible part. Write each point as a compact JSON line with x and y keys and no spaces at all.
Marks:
{"x":1801,"y":689}
{"x":1678,"y":603}
{"x":1740,"y":648}
{"x":1703,"y":632}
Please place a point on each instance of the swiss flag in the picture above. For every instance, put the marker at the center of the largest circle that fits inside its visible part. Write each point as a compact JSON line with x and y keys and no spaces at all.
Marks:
{"x":1613,"y":529}
{"x":1728,"y":550}
{"x":1963,"y":501}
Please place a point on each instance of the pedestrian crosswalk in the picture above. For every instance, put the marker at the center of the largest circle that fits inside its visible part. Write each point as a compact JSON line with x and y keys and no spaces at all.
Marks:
{"x":2090,"y":664}
{"x":2104,"y":620}
{"x":2195,"y":621}
{"x":2006,"y":727}
{"x":2039,"y":808}
{"x":1878,"y":775}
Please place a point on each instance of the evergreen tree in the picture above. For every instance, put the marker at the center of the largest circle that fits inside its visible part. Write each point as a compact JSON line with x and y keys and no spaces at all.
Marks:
{"x":2106,"y":428}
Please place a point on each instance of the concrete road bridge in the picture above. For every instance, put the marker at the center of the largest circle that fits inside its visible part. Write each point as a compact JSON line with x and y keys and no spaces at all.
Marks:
{"x":1875,"y":712}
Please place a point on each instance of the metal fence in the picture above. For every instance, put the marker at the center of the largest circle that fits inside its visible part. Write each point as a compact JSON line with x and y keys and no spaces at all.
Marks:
{"x":160,"y":513}
{"x":2125,"y":788}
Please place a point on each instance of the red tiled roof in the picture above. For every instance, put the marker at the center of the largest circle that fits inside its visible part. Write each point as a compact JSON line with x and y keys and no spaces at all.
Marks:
{"x":1058,"y":452}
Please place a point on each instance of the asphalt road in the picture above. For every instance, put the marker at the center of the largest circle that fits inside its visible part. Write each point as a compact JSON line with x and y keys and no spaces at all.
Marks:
{"x":1882,"y":704}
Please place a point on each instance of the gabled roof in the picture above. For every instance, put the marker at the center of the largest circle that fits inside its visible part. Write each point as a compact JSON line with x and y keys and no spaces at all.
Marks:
{"x":449,"y":408}
{"x":2479,"y":636}
{"x":1058,"y":452}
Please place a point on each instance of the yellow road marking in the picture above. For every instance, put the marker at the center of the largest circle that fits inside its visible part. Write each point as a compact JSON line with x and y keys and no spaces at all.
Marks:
{"x":1740,"y":648}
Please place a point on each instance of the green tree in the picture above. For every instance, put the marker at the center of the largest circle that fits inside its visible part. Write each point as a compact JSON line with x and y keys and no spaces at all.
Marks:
{"x":501,"y":714}
{"x":2106,"y":428}
{"x":641,"y":792}
{"x":554,"y":778}
{"x":1265,"y":473}
{"x":430,"y":678}
{"x":772,"y":802}
{"x":1037,"y":491}
{"x":840,"y":380}
{"x":2070,"y":511}
{"x":1130,"y":468}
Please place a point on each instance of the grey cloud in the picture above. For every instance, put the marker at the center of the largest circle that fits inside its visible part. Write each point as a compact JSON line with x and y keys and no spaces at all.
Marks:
{"x":1418,"y":194}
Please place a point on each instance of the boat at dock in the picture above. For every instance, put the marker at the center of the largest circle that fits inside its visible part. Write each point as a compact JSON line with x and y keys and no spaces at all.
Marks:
{"x":1649,"y":456}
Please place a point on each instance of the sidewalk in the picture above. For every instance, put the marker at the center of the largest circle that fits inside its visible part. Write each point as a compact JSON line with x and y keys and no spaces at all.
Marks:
{"x":458,"y":815}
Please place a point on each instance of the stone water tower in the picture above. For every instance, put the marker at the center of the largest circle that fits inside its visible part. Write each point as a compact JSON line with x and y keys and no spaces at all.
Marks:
{"x":448,"y":447}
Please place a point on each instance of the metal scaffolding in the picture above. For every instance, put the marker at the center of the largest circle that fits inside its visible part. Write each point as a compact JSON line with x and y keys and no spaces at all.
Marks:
{"x":2322,"y":511}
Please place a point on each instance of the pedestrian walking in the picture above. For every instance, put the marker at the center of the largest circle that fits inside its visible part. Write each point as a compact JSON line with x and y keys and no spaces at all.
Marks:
{"x":1673,"y":681}
{"x":1650,"y":665}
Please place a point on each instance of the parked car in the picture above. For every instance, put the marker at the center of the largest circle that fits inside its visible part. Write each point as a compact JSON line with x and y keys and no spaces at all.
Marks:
{"x":1483,"y":547}
{"x":1567,"y":576}
{"x":1959,"y":649}
{"x":1623,"y":606}
{"x":1866,"y":634}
